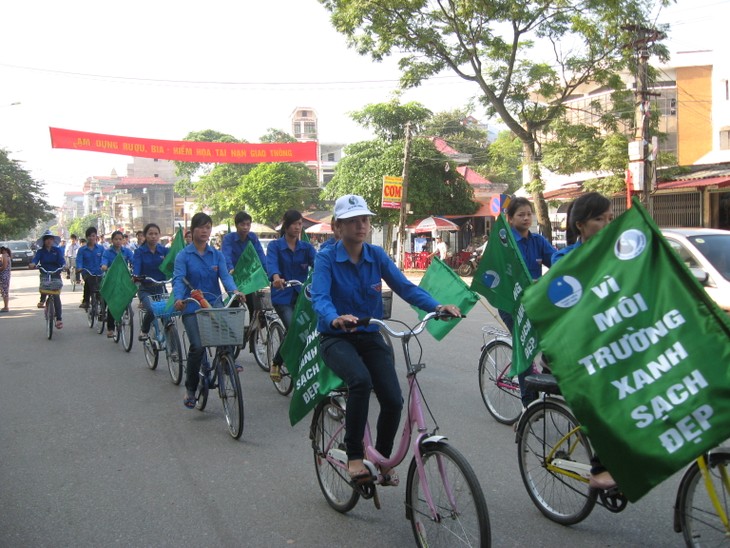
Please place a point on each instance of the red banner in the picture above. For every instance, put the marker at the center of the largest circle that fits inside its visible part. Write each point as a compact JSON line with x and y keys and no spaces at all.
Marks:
{"x":185,"y":151}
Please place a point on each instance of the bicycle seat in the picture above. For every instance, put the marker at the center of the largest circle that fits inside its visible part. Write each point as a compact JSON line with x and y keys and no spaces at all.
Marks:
{"x":542,"y":382}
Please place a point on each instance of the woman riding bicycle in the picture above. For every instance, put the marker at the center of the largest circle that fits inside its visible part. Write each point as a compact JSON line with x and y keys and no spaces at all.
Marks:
{"x":587,"y":215}
{"x":50,"y":258}
{"x":346,"y":285}
{"x":88,"y":259}
{"x":287,"y":258}
{"x":198,"y":266}
{"x":146,"y":264}
{"x":106,"y":261}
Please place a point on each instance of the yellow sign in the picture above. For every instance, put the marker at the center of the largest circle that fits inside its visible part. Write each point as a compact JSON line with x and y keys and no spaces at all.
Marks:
{"x":392,"y":192}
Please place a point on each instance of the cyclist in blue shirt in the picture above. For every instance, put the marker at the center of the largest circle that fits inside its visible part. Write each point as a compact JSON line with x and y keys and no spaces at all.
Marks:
{"x":198,"y":266}
{"x":346,"y":285}
{"x":146,"y":264}
{"x":107,"y":258}
{"x":287,"y":258}
{"x":50,"y":258}
{"x":88,"y":258}
{"x":334,"y":238}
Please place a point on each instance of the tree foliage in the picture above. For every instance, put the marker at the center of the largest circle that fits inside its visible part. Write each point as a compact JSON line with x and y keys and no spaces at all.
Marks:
{"x":504,"y":161}
{"x":23,"y":200}
{"x":186,"y":171}
{"x":452,"y":126}
{"x":388,"y":120}
{"x":79,"y":225}
{"x":431,"y":189}
{"x":493,"y":44}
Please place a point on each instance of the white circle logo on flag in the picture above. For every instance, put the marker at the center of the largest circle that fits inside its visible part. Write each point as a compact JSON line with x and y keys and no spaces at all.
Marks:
{"x":565,"y":291}
{"x":630,"y":245}
{"x":490,"y":279}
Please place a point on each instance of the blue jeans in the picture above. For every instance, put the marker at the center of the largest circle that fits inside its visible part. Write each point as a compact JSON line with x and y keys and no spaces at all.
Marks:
{"x":143,"y":293}
{"x":527,"y":397}
{"x":365,"y":362}
{"x":285,"y":313}
{"x":195,"y":352}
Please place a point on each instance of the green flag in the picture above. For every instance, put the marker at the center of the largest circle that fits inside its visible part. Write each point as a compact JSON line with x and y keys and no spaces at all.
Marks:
{"x":117,"y":287}
{"x":312,"y":379}
{"x":249,"y":273}
{"x":168,"y":264}
{"x":502,"y":277}
{"x":447,"y":287}
{"x":640,"y":351}
{"x":304,"y":237}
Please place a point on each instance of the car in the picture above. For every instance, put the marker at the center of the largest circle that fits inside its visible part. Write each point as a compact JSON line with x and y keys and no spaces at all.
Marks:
{"x":20,"y":251}
{"x":265,"y":242}
{"x":706,"y":251}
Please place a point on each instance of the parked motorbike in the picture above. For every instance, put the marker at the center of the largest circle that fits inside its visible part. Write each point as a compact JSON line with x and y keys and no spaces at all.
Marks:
{"x":467,"y":268}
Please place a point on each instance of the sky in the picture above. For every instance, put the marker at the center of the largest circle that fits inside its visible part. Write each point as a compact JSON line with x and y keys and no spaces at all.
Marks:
{"x":160,"y":69}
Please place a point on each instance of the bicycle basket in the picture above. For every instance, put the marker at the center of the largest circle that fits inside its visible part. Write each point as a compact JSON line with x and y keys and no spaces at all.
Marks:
{"x":387,"y":295}
{"x":51,"y":286}
{"x":262,"y":300}
{"x":221,"y":326}
{"x":158,"y":304}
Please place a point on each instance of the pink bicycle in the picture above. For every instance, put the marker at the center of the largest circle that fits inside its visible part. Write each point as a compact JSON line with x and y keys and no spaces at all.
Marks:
{"x":444,"y":501}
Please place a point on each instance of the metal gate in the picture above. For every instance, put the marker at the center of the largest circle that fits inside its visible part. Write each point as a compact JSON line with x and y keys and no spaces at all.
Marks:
{"x":669,"y":210}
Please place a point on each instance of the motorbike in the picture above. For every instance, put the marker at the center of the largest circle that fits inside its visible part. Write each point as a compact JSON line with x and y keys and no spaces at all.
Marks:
{"x":467,"y":268}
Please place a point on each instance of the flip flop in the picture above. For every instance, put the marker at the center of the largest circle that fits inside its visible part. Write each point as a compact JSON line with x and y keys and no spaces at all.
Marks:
{"x":189,"y":402}
{"x":59,"y":324}
{"x":239,"y":368}
{"x":363,"y":476}
{"x":391,"y":479}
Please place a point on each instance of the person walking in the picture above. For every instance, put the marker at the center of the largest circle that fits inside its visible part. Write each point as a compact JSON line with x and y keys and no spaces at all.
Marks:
{"x":6,"y":264}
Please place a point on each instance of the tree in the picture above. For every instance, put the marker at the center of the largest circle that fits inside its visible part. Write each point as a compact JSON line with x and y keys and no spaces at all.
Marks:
{"x":452,"y":127}
{"x":491,"y":44}
{"x":431,"y":191}
{"x":268,"y":190}
{"x":388,"y":120}
{"x":187,"y":170}
{"x":277,"y":136}
{"x":79,"y":225}
{"x":504,"y":161}
{"x":23,"y":199}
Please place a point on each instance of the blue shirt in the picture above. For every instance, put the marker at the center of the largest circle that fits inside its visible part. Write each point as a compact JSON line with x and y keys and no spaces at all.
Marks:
{"x":201,"y":272}
{"x":110,"y":254}
{"x":290,"y":265}
{"x":328,"y":242}
{"x":90,"y":259}
{"x":563,"y":252}
{"x":536,"y":251}
{"x":341,"y":287}
{"x":49,"y":259}
{"x":146,"y":262}
{"x":232,"y":248}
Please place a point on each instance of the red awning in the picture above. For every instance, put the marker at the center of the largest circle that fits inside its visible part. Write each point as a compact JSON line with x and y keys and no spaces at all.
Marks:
{"x":720,"y":182}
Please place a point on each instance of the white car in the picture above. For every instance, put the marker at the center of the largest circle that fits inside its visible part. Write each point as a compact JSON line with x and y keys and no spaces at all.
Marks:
{"x":707,"y":252}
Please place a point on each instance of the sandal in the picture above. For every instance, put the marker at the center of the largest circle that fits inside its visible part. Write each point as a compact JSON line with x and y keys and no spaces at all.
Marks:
{"x":40,"y":305}
{"x":109,"y":334}
{"x":143,"y":337}
{"x":390,"y":478}
{"x":59,"y":324}
{"x":189,"y":401}
{"x":239,"y":368}
{"x":275,"y":373}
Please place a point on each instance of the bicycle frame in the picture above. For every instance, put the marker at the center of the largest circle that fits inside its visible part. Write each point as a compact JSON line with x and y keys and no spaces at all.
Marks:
{"x":716,"y":504}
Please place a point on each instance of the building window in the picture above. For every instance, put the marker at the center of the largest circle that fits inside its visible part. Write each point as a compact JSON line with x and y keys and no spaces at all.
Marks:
{"x":330,"y":156}
{"x":304,"y":114}
{"x":310,"y":128}
{"x":725,"y":139}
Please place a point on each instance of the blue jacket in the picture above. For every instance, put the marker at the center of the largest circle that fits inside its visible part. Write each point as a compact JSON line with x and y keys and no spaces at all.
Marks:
{"x":232,"y":248}
{"x":49,"y":259}
{"x":328,"y":242}
{"x":201,"y":272}
{"x":536,"y":251}
{"x":109,"y":255}
{"x":563,"y":252}
{"x":290,"y":265}
{"x":341,"y":287}
{"x":147,"y":262}
{"x":90,"y":259}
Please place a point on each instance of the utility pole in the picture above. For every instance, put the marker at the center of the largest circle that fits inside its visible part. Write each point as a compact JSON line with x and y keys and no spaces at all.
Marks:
{"x":641,"y":163}
{"x":404,"y":199}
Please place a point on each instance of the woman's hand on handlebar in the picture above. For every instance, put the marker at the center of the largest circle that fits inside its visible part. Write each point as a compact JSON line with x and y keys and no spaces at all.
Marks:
{"x":346,"y":322}
{"x":179,"y":305}
{"x":278,"y":282}
{"x":449,"y":310}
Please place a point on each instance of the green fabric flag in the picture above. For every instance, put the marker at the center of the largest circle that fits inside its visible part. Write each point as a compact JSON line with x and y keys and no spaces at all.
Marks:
{"x":447,"y":287}
{"x":502,"y":277}
{"x":312,"y":379}
{"x":168,"y":264}
{"x":639,"y":350}
{"x":117,"y":287}
{"x":249,"y":273}
{"x":305,"y":237}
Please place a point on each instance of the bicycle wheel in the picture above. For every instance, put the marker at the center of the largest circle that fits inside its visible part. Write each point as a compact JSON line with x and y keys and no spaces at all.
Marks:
{"x":276,"y":337}
{"x":173,"y":352}
{"x":328,"y":432}
{"x":229,"y":390}
{"x":549,"y":433}
{"x":203,"y":384}
{"x":700,"y":524}
{"x":92,"y":311}
{"x":127,"y":328}
{"x":500,"y":392}
{"x":50,"y":316}
{"x":101,"y":320}
{"x":462,"y":518}
{"x":260,"y":351}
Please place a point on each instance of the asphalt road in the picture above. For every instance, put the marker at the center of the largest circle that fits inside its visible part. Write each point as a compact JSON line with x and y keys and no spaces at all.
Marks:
{"x":97,"y":450}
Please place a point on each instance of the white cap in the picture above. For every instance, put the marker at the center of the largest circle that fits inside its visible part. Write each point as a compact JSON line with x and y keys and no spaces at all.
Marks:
{"x":351,"y":205}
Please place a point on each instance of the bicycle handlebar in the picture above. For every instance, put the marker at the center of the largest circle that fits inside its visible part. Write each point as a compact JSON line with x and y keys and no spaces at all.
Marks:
{"x":80,"y":270}
{"x":44,"y":271}
{"x":417,"y":330}
{"x":152,"y":280}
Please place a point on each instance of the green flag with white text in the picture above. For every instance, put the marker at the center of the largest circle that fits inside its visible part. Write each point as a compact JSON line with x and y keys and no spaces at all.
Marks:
{"x":312,"y":379}
{"x":640,"y":351}
{"x":249,"y":273}
{"x":447,"y":287}
{"x":502,"y":278}
{"x":168,"y":263}
{"x":117,"y":288}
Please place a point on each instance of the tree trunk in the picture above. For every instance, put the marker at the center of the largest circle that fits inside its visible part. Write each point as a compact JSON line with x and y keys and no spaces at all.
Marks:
{"x":532,"y":181}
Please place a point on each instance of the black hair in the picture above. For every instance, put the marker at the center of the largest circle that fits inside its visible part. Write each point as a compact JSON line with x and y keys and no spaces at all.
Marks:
{"x":200,"y":219}
{"x":115,"y":233}
{"x":242,"y":217}
{"x":517,"y":203}
{"x":290,"y":216}
{"x":91,"y":230}
{"x":148,"y":226}
{"x":74,"y":236}
{"x":582,"y":209}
